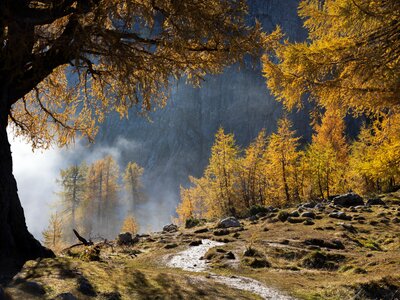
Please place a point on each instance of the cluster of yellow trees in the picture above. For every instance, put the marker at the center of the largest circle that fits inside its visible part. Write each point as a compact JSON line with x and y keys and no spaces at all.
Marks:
{"x":276,"y":171}
{"x":349,"y":63}
{"x":91,"y":198}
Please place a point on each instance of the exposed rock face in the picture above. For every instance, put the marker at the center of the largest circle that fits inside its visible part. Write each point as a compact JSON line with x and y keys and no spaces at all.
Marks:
{"x":347,"y":200}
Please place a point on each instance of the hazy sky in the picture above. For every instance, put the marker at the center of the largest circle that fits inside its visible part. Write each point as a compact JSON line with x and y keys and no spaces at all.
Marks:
{"x":36,"y":174}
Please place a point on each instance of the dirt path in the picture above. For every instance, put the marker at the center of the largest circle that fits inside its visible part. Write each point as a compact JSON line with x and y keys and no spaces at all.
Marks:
{"x":189,"y":260}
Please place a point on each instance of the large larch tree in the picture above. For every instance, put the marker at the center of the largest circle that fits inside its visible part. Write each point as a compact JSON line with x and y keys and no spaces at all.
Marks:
{"x":65,"y":63}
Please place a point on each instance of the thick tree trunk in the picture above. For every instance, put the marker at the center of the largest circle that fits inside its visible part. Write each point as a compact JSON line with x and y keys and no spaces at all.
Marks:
{"x":17,"y":245}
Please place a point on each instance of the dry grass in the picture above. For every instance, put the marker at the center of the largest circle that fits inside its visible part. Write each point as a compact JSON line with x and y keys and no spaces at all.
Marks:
{"x":371,"y":261}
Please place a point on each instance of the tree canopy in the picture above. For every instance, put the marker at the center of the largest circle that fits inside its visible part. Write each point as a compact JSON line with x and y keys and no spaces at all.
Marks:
{"x":351,"y":57}
{"x":67,"y":63}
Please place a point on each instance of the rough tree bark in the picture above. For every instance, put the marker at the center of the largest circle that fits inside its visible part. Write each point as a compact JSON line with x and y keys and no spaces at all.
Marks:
{"x":17,"y":245}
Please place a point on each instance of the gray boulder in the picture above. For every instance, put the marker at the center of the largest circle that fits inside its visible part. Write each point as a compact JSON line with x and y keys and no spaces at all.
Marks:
{"x":295,"y":214}
{"x":340,"y":215}
{"x":229,"y":222}
{"x":375,"y":201}
{"x":170,"y":228}
{"x":308,"y":214}
{"x":347,"y":200}
{"x":309,"y":205}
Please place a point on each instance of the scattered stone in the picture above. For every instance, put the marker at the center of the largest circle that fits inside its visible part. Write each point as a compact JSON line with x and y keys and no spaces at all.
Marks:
{"x":236,"y":235}
{"x":253,"y":218}
{"x":258,"y":210}
{"x":272,"y":220}
{"x":229,"y":222}
{"x":224,"y":240}
{"x":347,"y":200}
{"x":334,"y":244}
{"x":295,"y":214}
{"x":375,"y":201}
{"x":170,"y":246}
{"x":295,"y":220}
{"x":308,"y":214}
{"x":283,"y":216}
{"x":349,"y":227}
{"x":340,"y":215}
{"x":170,"y":228}
{"x":64,"y":296}
{"x":202,"y":230}
{"x":272,"y":209}
{"x":309,"y":205}
{"x":329,"y":228}
{"x":126,"y":239}
{"x":195,"y":243}
{"x":221,"y":232}
{"x":308,"y":222}
{"x":261,"y":214}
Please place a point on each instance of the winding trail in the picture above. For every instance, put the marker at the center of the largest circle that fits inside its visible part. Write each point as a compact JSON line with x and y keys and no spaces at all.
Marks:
{"x":189,"y":260}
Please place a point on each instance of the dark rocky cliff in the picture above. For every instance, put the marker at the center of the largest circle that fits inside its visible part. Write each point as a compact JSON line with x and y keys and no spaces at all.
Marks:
{"x":177,"y":141}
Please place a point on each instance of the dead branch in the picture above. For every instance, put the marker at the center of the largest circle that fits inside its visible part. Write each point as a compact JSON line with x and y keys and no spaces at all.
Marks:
{"x":82,"y":239}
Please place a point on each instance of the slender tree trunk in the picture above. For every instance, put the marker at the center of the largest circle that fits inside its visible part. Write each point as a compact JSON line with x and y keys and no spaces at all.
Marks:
{"x":17,"y":245}
{"x":285,"y":185}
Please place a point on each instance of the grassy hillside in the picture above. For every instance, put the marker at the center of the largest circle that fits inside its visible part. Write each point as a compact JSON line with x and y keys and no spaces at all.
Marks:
{"x":315,"y":257}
